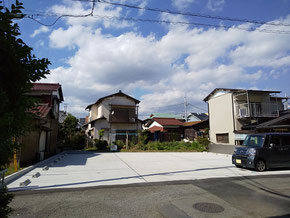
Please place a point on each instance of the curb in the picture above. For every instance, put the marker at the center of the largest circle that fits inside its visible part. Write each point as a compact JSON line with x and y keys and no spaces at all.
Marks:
{"x":11,"y":178}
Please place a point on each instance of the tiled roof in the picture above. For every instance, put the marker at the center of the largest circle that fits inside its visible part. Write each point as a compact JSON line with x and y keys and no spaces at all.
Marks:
{"x":46,"y":86}
{"x":165,"y":115}
{"x":61,"y":117}
{"x":156,"y":128}
{"x":168,"y":121}
{"x":42,"y":110}
{"x":201,"y":116}
{"x":275,"y":121}
{"x":193,"y":123}
{"x":120,"y":93}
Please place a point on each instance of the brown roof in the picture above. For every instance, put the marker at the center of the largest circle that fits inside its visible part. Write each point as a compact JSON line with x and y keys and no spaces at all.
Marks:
{"x":156,"y":128}
{"x":48,"y":87}
{"x":120,"y":93}
{"x":238,"y":90}
{"x":41,"y":110}
{"x":168,"y":121}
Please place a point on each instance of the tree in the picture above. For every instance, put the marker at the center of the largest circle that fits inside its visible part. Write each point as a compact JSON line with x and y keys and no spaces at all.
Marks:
{"x":69,"y":127}
{"x":19,"y":68}
{"x":101,"y":134}
{"x":70,"y":135}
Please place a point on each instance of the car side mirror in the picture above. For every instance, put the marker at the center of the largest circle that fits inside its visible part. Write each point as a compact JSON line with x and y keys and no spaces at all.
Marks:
{"x":271,"y":145}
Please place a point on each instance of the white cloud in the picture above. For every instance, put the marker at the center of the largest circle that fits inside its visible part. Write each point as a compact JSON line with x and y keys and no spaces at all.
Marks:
{"x":142,"y":5}
{"x":184,"y":61}
{"x":182,"y":4}
{"x":42,"y":29}
{"x":103,"y":14}
{"x":215,"y":5}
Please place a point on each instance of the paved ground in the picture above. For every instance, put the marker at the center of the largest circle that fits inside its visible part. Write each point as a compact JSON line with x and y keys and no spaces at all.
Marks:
{"x":266,"y":196}
{"x":86,"y":169}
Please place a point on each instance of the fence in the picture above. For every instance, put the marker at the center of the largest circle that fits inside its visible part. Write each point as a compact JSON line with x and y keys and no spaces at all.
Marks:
{"x":257,"y":110}
{"x":2,"y":175}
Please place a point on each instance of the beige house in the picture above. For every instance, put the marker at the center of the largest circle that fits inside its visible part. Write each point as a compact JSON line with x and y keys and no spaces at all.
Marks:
{"x":234,"y":113}
{"x":116,"y":114}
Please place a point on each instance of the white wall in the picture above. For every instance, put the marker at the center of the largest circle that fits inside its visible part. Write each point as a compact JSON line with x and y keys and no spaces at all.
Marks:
{"x":221,"y":116}
{"x":155,"y":124}
{"x":101,"y":124}
{"x":103,"y":108}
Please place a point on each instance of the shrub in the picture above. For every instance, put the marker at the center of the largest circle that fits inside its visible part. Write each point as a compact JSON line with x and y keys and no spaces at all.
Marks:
{"x":120,"y":144}
{"x":101,"y":145}
{"x":143,"y":136}
{"x":101,"y":133}
{"x":78,"y":141}
{"x":5,"y":199}
{"x":203,"y":141}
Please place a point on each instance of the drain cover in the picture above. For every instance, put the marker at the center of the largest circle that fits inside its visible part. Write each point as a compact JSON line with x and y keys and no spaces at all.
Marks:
{"x":208,"y":207}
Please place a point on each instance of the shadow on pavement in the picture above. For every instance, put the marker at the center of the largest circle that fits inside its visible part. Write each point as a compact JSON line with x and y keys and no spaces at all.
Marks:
{"x":115,"y":179}
{"x":74,"y":158}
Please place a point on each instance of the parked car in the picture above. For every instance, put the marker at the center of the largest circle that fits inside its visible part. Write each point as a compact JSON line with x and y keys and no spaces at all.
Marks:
{"x":263,"y":151}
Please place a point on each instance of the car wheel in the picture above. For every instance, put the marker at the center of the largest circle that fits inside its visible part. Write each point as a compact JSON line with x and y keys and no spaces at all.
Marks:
{"x":260,"y":165}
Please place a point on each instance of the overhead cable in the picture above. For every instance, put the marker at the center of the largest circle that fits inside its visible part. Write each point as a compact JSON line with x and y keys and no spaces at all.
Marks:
{"x":189,"y":13}
{"x":61,"y":16}
{"x":32,"y":16}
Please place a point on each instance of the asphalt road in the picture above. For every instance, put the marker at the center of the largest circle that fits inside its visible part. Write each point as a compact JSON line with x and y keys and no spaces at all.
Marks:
{"x":258,"y":196}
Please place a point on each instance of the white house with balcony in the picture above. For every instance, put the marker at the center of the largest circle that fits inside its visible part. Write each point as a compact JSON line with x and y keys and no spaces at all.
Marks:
{"x":234,"y":113}
{"x":116,"y":114}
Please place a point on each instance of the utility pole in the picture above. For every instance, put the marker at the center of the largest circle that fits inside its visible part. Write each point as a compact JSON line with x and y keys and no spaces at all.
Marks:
{"x":185,"y":108}
{"x":65,"y":107}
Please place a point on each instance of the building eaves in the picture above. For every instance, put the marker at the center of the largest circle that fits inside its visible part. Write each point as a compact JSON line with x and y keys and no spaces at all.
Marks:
{"x":37,"y":87}
{"x":168,"y":121}
{"x":120,"y":93}
{"x":238,"y":91}
{"x":274,"y":121}
{"x":194,"y":123}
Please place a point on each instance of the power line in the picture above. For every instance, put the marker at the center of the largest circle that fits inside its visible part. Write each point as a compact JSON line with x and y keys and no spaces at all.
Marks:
{"x":189,"y":14}
{"x":31,"y":16}
{"x":167,"y":106}
{"x":61,"y":16}
{"x":197,"y":107}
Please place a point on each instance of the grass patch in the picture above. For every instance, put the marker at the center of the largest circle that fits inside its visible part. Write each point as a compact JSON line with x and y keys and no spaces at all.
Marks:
{"x":10,"y":170}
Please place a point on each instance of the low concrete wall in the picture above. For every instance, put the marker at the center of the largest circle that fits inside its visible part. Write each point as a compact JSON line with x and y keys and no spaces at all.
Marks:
{"x":222,"y":148}
{"x":14,"y":176}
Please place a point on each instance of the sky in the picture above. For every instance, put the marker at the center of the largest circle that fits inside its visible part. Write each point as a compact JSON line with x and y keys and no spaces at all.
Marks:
{"x":159,"y":58}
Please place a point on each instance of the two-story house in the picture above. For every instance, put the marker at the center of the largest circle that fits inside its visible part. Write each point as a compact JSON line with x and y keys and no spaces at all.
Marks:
{"x":234,"y":113}
{"x":116,"y":114}
{"x":41,"y":141}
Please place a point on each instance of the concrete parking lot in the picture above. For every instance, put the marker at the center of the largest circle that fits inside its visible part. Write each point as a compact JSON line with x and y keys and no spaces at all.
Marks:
{"x":86,"y":169}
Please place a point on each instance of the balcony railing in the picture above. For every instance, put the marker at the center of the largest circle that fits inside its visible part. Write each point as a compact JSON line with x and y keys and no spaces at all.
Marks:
{"x":257,"y":110}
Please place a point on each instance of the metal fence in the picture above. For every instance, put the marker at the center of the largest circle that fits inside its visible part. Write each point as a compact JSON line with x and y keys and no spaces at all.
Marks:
{"x":2,"y":175}
{"x":257,"y":110}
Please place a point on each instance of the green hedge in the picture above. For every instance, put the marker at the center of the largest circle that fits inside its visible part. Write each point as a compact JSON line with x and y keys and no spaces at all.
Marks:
{"x":101,"y":145}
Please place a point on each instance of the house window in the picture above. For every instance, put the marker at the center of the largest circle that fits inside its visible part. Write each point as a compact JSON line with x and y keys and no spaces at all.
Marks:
{"x":222,"y":138}
{"x":123,"y":115}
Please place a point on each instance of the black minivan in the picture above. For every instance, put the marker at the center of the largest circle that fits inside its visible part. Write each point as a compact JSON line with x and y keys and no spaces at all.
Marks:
{"x":263,"y":151}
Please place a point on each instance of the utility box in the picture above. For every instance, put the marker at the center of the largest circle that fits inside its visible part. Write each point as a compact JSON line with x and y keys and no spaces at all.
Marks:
{"x":113,"y":148}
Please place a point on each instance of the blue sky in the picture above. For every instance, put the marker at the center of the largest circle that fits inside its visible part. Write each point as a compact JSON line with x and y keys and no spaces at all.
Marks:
{"x":157,"y":63}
